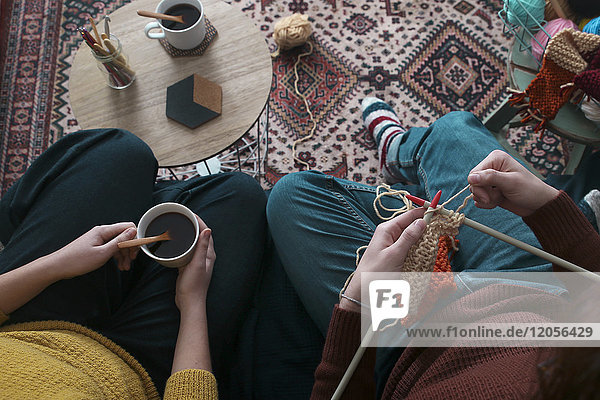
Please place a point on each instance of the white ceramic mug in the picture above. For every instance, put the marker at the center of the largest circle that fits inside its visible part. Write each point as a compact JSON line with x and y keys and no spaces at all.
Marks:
{"x":184,"y":39}
{"x":163,"y":208}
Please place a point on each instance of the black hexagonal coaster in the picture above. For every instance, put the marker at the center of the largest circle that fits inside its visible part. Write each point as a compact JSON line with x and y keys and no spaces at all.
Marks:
{"x":193,"y":101}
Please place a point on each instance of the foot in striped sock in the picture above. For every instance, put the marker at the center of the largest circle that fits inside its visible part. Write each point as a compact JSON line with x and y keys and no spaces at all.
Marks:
{"x":381,"y":120}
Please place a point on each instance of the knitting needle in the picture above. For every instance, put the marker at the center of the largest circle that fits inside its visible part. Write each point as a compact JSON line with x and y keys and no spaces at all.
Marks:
{"x":107,"y":26}
{"x":339,"y":391}
{"x":434,"y":203}
{"x":112,"y":50}
{"x":510,"y":240}
{"x":86,"y":35}
{"x":95,"y":31}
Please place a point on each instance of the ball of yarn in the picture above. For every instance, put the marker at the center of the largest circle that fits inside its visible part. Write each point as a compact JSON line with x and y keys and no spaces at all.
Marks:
{"x":593,"y":26}
{"x":591,"y":110}
{"x":551,"y":28}
{"x":527,"y":13}
{"x":583,"y":23}
{"x":559,"y":9}
{"x":292,"y":31}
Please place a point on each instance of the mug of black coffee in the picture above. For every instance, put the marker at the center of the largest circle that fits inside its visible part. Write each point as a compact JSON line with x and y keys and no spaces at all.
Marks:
{"x":183,"y":228}
{"x":184,"y":36}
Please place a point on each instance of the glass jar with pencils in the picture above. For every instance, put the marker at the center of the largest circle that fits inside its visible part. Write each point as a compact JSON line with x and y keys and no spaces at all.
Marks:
{"x":112,"y":62}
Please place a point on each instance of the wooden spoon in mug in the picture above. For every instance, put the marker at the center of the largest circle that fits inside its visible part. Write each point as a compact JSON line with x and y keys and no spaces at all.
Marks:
{"x":150,"y":14}
{"x":142,"y":241}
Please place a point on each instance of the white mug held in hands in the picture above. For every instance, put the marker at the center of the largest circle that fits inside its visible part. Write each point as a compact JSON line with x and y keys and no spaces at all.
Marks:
{"x":184,"y":36}
{"x":183,"y":228}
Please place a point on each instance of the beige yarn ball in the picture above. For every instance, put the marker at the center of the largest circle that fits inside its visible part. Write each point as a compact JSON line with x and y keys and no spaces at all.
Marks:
{"x":292,"y":31}
{"x":559,"y":9}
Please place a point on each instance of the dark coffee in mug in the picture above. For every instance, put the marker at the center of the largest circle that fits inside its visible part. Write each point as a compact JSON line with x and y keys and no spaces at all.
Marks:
{"x":189,"y":13}
{"x":181,"y":230}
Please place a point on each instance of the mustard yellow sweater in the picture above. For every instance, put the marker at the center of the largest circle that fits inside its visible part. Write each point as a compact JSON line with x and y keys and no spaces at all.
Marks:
{"x":62,"y":360}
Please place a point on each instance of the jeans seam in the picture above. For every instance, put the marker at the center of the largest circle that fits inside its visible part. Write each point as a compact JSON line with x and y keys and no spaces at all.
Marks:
{"x":363,"y":188}
{"x":347,"y":206}
{"x":423,"y":175}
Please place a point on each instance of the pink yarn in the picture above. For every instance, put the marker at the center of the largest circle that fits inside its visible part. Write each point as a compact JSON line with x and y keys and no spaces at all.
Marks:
{"x":552,"y":27}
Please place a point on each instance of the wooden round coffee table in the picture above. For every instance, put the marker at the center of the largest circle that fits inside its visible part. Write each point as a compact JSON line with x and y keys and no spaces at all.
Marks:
{"x":238,"y":59}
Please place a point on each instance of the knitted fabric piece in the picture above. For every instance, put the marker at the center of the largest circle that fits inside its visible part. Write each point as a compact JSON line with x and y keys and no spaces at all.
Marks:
{"x":422,"y":256}
{"x":589,"y":81}
{"x":566,"y":56}
{"x":545,"y":94}
{"x":572,"y":50}
{"x":191,"y":384}
{"x":441,"y":282}
{"x":430,"y":253}
{"x":57,"y":359}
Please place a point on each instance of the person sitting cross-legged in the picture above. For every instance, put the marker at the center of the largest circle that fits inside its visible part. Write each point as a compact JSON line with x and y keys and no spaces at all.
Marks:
{"x":318,"y":222}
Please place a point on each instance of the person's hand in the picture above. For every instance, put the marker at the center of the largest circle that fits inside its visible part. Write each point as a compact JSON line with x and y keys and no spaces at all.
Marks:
{"x":499,"y":180}
{"x":194,"y":278}
{"x":387,"y":250}
{"x":94,"y":248}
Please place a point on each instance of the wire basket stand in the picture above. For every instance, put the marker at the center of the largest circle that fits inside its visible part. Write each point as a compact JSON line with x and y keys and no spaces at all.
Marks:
{"x":523,"y":29}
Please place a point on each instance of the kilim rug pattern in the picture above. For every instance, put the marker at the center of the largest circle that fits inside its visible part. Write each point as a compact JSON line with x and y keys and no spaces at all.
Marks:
{"x":425,"y":57}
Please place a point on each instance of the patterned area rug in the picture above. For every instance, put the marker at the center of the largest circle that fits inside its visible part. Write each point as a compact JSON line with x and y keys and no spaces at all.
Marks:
{"x":425,"y":57}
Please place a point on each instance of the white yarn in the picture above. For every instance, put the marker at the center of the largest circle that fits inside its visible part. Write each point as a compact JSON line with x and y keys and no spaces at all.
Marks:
{"x":591,"y":110}
{"x":593,"y":199}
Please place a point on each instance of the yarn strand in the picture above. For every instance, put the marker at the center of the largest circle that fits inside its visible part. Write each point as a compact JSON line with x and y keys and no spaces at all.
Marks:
{"x":308,"y":110}
{"x":290,"y":32}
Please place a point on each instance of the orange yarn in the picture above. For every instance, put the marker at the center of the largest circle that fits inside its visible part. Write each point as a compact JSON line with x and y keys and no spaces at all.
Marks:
{"x":441,"y":283}
{"x":565,"y":57}
{"x":546,"y":94}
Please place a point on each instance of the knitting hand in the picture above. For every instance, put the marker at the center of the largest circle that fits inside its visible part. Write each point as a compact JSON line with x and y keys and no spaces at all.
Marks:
{"x":387,"y":250}
{"x":499,"y":180}
{"x":194,"y":278}
{"x":94,"y":248}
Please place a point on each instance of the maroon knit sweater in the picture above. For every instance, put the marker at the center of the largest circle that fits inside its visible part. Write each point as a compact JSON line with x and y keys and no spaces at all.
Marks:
{"x":465,"y":372}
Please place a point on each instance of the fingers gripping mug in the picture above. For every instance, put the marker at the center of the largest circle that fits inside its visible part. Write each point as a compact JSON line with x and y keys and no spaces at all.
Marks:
{"x":182,"y":36}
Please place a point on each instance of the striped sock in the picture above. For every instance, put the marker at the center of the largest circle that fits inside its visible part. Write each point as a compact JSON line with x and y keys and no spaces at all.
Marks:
{"x":381,"y":120}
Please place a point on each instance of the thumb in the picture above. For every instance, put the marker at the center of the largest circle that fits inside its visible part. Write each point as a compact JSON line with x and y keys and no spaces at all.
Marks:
{"x":488,"y":177}
{"x":202,"y":248}
{"x":108,"y":232}
{"x":410,"y":236}
{"x":127,"y":234}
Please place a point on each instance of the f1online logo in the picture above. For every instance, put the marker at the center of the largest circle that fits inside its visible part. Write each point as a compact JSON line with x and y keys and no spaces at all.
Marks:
{"x":389,"y":300}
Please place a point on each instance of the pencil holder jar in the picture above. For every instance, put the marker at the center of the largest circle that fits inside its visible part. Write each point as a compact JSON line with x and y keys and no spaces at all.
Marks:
{"x":113,"y":63}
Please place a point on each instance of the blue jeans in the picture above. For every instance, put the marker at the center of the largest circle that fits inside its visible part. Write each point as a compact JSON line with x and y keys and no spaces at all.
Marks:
{"x":318,"y":221}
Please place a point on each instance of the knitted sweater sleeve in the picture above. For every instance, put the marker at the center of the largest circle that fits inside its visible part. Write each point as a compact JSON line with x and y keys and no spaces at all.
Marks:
{"x":343,"y":339}
{"x":191,"y":384}
{"x":563,"y":230}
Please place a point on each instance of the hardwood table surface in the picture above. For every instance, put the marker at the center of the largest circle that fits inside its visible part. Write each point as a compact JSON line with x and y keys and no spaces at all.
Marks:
{"x":238,"y":59}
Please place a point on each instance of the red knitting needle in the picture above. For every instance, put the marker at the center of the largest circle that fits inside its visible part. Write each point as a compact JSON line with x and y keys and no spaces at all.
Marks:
{"x":436,"y":199}
{"x":417,"y":200}
{"x":432,"y":206}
